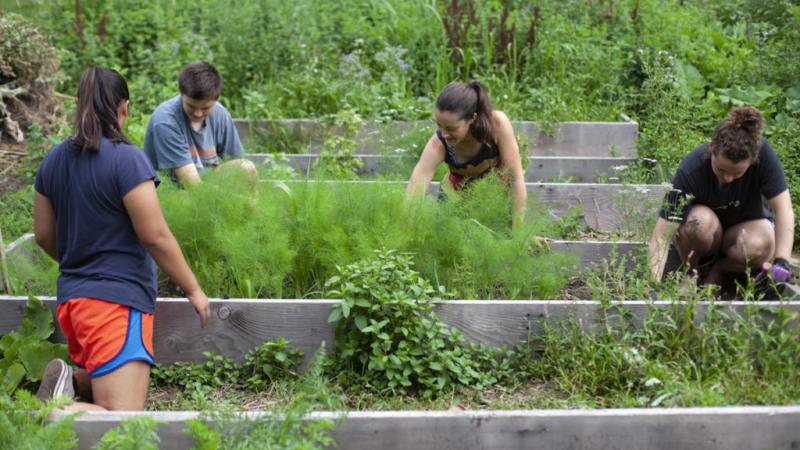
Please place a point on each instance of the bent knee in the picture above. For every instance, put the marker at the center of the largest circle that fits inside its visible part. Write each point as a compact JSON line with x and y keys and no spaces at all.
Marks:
{"x":754,"y":248}
{"x":701,"y":224}
{"x":249,"y":167}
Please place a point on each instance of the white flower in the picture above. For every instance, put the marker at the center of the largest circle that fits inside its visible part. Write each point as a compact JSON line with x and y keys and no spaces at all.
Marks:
{"x":652,"y":382}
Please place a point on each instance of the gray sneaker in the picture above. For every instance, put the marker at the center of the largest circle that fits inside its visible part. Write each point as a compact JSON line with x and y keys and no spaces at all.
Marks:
{"x":56,"y":381}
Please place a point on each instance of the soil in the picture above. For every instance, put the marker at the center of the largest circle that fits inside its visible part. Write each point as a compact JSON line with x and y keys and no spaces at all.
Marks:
{"x":535,"y":394}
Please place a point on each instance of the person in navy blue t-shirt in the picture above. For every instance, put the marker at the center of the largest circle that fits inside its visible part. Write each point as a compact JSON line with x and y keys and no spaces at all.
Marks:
{"x":729,"y":209}
{"x":96,"y":212}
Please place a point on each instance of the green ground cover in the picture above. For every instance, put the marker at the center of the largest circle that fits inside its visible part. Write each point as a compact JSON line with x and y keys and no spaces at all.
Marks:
{"x":676,"y":67}
{"x":284,"y":240}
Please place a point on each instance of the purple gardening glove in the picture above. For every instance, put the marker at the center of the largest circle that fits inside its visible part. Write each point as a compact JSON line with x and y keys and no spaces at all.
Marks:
{"x":780,"y":271}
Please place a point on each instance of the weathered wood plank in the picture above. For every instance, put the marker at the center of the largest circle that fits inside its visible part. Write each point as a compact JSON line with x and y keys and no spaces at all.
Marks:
{"x":240,"y":324}
{"x":565,"y":139}
{"x":540,"y":168}
{"x":730,"y":428}
{"x":610,"y":208}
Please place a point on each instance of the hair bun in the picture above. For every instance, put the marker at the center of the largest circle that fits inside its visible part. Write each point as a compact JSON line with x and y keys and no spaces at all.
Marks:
{"x":747,"y":118}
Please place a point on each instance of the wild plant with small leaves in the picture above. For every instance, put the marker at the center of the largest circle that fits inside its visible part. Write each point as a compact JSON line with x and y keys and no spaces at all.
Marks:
{"x":389,"y":338}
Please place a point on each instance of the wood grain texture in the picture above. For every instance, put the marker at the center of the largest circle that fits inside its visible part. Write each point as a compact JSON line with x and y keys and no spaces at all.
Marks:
{"x":540,"y":168}
{"x":730,"y":428}
{"x":565,"y":139}
{"x":240,"y":324}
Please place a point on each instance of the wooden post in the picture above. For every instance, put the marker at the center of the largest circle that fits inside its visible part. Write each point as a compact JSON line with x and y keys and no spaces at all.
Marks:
{"x":3,"y":266}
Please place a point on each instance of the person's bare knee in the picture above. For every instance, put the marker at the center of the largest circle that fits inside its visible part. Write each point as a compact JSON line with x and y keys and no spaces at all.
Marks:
{"x":699,"y":235}
{"x":750,"y":244}
{"x":124,"y":388}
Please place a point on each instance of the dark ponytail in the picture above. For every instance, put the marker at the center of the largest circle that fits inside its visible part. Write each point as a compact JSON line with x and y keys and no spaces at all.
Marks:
{"x":739,"y":136}
{"x":465,"y":100}
{"x":100,"y":93}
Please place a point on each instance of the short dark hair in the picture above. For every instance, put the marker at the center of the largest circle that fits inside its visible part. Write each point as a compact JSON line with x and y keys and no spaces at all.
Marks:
{"x":200,"y":81}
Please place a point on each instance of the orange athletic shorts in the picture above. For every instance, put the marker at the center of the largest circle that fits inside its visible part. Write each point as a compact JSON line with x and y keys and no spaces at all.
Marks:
{"x":103,"y":336}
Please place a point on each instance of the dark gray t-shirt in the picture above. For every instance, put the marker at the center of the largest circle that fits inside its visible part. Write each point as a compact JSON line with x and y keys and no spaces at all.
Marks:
{"x":171,"y":142}
{"x":740,"y":200}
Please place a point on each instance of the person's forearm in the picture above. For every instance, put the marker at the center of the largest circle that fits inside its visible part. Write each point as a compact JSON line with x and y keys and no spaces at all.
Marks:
{"x":657,"y":253}
{"x":187,"y":175}
{"x":784,"y":235}
{"x":167,"y":254}
{"x":519,"y":202}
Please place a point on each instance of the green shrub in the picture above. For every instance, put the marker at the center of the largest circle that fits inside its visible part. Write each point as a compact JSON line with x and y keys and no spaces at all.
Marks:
{"x":283,"y":427}
{"x":729,"y":358}
{"x":388,"y":337}
{"x":24,"y":424}
{"x":131,"y":434}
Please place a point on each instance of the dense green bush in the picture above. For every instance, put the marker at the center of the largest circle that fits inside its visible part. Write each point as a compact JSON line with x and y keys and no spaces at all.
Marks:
{"x":283,"y":240}
{"x":675,"y":66}
{"x":389,"y":338}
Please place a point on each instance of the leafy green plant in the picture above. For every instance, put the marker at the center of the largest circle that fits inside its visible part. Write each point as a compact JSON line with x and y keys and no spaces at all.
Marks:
{"x":337,"y":158}
{"x":389,"y":338}
{"x":200,"y":378}
{"x":24,"y":424}
{"x":26,"y":351}
{"x":271,"y":360}
{"x":131,"y":434}
{"x":671,"y":358}
{"x":282,"y":427}
{"x":287,"y":238}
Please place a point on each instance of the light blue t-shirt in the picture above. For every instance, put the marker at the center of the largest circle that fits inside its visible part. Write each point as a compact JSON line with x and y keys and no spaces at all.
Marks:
{"x":171,"y":142}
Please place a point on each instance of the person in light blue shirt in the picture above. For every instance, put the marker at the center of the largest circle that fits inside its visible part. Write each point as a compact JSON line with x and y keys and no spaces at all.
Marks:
{"x":193,"y":131}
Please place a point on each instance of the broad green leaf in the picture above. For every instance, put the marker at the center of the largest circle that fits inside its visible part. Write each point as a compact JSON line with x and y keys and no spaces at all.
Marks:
{"x":363,"y":302}
{"x":361,"y":322}
{"x":38,"y":319}
{"x":345,"y":305}
{"x":12,"y":377}
{"x":335,"y":315}
{"x":35,"y":355}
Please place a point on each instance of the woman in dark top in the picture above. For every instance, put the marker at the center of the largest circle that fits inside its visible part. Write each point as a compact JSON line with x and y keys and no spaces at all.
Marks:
{"x":96,"y":212}
{"x":473,"y":140}
{"x":729,"y":208}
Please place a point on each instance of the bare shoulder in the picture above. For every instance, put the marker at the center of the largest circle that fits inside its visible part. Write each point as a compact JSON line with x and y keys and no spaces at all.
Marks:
{"x":435,"y":144}
{"x":500,"y":119}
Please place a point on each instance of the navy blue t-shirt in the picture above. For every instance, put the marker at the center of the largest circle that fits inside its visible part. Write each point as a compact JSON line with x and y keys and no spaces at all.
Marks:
{"x":99,"y":254}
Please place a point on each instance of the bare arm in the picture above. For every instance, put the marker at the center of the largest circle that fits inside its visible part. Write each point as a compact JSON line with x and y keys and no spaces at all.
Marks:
{"x":151,"y":228}
{"x":784,"y":224}
{"x":44,"y":225}
{"x":432,"y":156}
{"x":509,"y":155}
{"x":658,"y":247}
{"x":187,"y":175}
